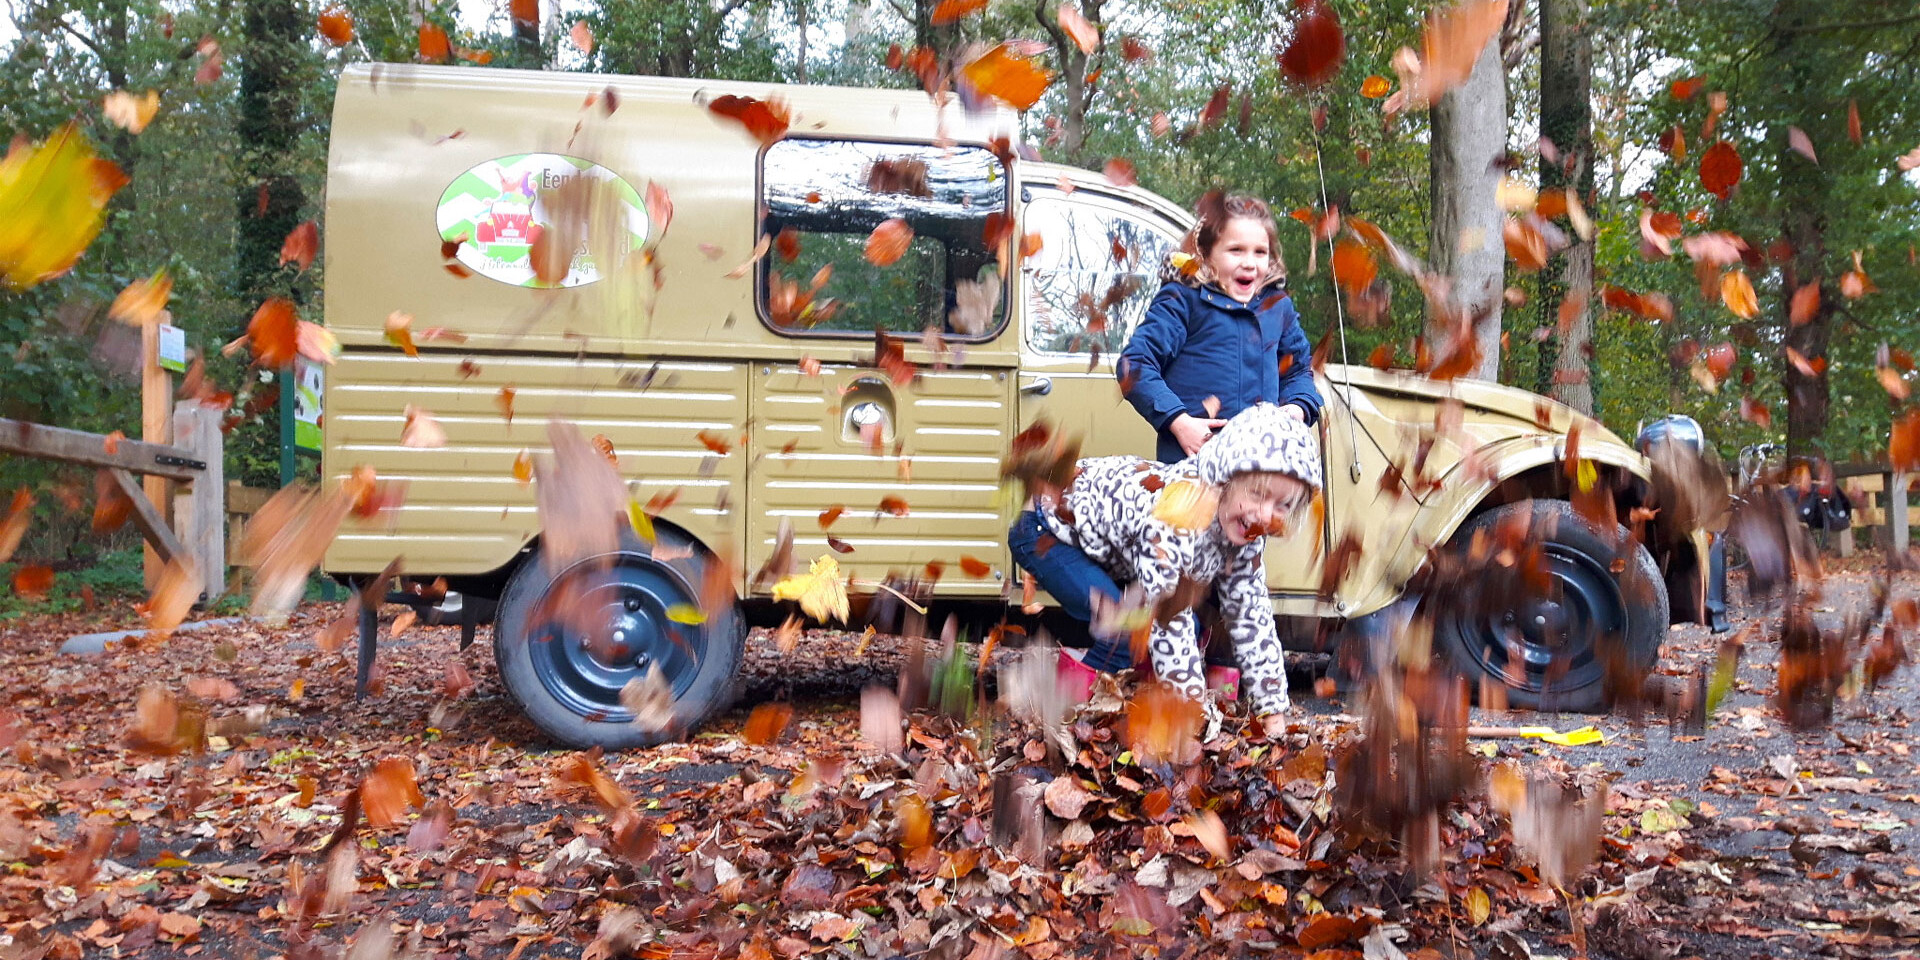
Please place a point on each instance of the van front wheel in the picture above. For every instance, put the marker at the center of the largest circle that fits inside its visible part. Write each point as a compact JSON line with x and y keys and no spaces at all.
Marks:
{"x":568,"y":642}
{"x":1553,"y":649}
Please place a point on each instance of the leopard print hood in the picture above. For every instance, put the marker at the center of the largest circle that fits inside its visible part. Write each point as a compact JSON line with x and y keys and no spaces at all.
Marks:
{"x":1264,"y":439}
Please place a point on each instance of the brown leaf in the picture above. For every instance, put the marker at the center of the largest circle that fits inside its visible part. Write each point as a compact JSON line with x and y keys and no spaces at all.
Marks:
{"x":421,"y":429}
{"x":389,"y":792}
{"x":764,"y":120}
{"x":1853,"y":121}
{"x":1720,"y":168}
{"x":1903,"y":445}
{"x":301,"y":245}
{"x":767,"y":722}
{"x":1805,"y":304}
{"x":892,"y":506}
{"x":889,"y":242}
{"x":1686,"y":88}
{"x":1800,"y":143}
{"x":273,"y":333}
{"x":1120,"y":172}
{"x":975,"y":567}
{"x":1316,"y":49}
{"x":1354,"y":268}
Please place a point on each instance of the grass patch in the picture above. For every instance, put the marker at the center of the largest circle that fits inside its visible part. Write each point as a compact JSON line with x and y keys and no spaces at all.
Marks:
{"x":110,"y":579}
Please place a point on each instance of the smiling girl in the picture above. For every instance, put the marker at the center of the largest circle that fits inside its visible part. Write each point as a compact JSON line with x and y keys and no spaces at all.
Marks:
{"x":1221,"y":337}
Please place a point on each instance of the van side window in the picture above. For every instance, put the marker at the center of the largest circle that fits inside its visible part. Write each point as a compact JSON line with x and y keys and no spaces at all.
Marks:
{"x":1096,"y":271}
{"x":824,"y":199}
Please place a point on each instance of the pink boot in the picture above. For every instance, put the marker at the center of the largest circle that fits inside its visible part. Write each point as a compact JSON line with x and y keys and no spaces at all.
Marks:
{"x":1226,"y":680}
{"x":1075,"y":679}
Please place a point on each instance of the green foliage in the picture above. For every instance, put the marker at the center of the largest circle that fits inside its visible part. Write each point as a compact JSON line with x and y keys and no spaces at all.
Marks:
{"x":113,"y":577}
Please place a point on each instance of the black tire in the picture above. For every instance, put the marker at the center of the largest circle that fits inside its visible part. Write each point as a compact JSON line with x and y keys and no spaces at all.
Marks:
{"x":570,"y":687}
{"x":1563,"y":638}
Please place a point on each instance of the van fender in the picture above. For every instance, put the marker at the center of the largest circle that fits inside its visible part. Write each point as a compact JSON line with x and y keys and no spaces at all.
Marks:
{"x":1461,"y":496}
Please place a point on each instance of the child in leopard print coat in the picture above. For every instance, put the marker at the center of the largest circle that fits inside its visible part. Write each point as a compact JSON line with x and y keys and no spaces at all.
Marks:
{"x":1132,"y":521}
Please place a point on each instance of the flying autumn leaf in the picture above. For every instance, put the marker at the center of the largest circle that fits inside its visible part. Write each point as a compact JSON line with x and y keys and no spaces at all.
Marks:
{"x":764,"y":120}
{"x":582,"y":37}
{"x":53,"y":200}
{"x":336,"y":25}
{"x":273,"y":334}
{"x":1854,"y":283}
{"x":1805,"y":304}
{"x":1375,"y":87}
{"x":421,"y":429}
{"x":1720,"y":168}
{"x":33,"y":581}
{"x":1808,"y":368}
{"x":1801,"y":144}
{"x":1317,"y":47}
{"x":821,"y":591}
{"x":1354,"y":268}
{"x":1903,"y":447}
{"x":1120,"y":172}
{"x":1007,"y":76}
{"x":659,"y":211}
{"x":128,"y":112}
{"x":1756,"y":413}
{"x":1449,"y":47}
{"x":13,"y":526}
{"x":389,"y":792}
{"x":1084,"y":34}
{"x":143,"y":302}
{"x":212,"y":62}
{"x":1134,"y":50}
{"x":889,"y":242}
{"x":1736,"y":291}
{"x":1686,"y":88}
{"x":1853,"y":121}
{"x":767,"y":722}
{"x":399,"y":332}
{"x":434,"y":46}
{"x":953,"y":11}
{"x":504,"y":401}
{"x":301,"y":245}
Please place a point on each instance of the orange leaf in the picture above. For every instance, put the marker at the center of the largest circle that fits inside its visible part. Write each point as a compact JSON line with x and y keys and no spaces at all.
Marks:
{"x":1382,"y":357}
{"x":336,"y":25}
{"x":893,"y":506}
{"x":1720,"y":168}
{"x":1120,"y":172}
{"x":1314,"y":53}
{"x":524,"y":11}
{"x":130,"y":113}
{"x":1375,"y":87}
{"x":504,"y":400}
{"x":889,"y":242}
{"x":975,"y":567}
{"x":764,"y":120}
{"x":1805,"y":304}
{"x":582,"y":37}
{"x":1353,"y":266}
{"x":1525,"y":244}
{"x":1903,"y":447}
{"x":1737,"y":292}
{"x":301,"y":245}
{"x":1853,"y":122}
{"x":389,"y":792}
{"x":1892,"y":382}
{"x":143,"y":302}
{"x":1808,"y":368}
{"x":1009,"y":77}
{"x":659,"y":210}
{"x":523,"y":468}
{"x":1084,"y":35}
{"x":714,"y":442}
{"x":767,"y":723}
{"x":434,"y":47}
{"x":33,"y":581}
{"x":1757,"y":413}
{"x":952,"y":11}
{"x":1453,"y":41}
{"x":1685,"y":89}
{"x":829,"y":515}
{"x":273,"y":333}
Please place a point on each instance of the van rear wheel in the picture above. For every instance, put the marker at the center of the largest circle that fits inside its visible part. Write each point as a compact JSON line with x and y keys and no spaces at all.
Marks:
{"x":1553,"y":649}
{"x":567,"y":643}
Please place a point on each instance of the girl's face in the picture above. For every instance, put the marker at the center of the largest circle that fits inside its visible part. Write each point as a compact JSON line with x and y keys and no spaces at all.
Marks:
{"x":1241,"y":258}
{"x":1256,"y":505}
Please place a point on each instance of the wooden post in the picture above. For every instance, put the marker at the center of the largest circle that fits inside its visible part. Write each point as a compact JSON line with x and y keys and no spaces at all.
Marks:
{"x":1897,"y":516}
{"x":156,"y":409}
{"x":200,"y":512}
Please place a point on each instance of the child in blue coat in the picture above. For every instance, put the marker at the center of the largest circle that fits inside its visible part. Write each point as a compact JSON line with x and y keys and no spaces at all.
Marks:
{"x":1226,"y":332}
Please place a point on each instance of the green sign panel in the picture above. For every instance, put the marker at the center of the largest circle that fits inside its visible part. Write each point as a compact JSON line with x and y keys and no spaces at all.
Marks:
{"x":499,"y":209}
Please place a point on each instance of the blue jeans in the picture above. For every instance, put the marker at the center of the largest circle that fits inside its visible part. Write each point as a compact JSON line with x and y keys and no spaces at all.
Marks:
{"x":1071,"y":577}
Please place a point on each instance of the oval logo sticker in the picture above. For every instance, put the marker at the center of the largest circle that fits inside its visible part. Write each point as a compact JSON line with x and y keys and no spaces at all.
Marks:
{"x":500,"y":208}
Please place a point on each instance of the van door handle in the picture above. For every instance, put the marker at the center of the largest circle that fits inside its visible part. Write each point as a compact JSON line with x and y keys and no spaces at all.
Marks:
{"x":1039,"y":388}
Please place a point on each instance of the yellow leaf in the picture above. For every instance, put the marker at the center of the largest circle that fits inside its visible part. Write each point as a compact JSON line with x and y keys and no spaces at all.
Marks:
{"x":1479,"y":906}
{"x":1737,"y":291}
{"x":1186,"y":505}
{"x":53,"y":201}
{"x":642,"y":524}
{"x":686,"y":613}
{"x":821,"y":591}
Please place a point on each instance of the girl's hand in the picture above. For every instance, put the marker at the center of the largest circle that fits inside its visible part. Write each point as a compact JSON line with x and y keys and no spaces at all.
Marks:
{"x":1191,"y":433}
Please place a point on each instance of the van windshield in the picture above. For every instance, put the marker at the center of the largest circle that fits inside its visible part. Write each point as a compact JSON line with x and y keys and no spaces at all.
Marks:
{"x":930,"y":266}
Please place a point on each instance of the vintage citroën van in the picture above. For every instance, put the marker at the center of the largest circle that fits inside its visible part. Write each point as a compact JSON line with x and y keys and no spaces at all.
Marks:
{"x":736,"y":377}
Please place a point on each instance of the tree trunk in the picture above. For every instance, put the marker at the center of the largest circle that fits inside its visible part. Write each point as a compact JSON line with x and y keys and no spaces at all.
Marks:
{"x":1566,"y":121}
{"x":270,"y":200}
{"x":1469,"y":134}
{"x":1805,"y":194}
{"x":800,"y":65}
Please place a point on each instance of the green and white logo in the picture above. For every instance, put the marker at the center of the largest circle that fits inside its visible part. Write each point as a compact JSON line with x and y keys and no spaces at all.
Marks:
{"x":499,"y":208}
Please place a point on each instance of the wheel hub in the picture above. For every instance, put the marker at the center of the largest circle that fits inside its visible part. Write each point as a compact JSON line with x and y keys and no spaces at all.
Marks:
{"x":599,"y":628}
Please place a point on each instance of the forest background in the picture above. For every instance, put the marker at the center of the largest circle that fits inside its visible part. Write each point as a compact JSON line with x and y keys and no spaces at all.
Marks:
{"x":1818,"y":101}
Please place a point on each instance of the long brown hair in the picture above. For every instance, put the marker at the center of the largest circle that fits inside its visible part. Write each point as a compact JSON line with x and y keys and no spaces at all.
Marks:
{"x":1214,"y":210}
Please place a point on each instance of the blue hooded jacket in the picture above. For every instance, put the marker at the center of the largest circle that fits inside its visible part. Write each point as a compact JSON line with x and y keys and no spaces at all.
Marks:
{"x":1197,"y":342}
